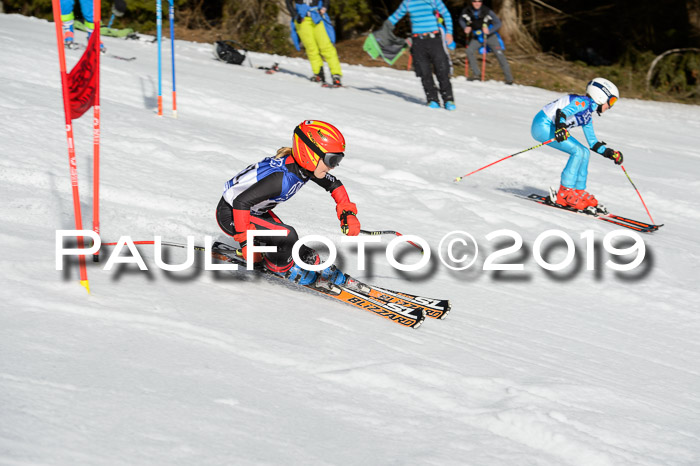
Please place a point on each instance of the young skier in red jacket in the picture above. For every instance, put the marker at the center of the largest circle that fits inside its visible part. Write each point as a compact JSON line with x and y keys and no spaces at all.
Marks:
{"x":250,"y":196}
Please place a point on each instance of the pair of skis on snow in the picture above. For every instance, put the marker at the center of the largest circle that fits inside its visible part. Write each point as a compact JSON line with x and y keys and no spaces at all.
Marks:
{"x":599,"y":214}
{"x":276,"y":67}
{"x":404,"y":309}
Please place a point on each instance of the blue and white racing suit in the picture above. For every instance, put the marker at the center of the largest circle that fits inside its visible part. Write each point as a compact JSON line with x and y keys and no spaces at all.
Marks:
{"x":578,"y":111}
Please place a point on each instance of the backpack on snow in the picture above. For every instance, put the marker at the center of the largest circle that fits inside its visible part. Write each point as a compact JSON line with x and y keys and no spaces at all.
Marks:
{"x":225,"y":51}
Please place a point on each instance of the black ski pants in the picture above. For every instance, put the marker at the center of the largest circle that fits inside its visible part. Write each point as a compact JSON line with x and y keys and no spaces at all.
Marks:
{"x":429,"y":55}
{"x":277,"y":261}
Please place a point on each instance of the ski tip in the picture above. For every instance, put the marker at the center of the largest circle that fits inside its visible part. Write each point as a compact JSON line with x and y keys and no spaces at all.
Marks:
{"x":419,"y":321}
{"x":448,"y":308}
{"x":86,"y":284}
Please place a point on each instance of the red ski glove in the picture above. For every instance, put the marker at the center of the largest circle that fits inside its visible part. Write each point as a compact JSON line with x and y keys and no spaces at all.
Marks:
{"x":347,"y":212}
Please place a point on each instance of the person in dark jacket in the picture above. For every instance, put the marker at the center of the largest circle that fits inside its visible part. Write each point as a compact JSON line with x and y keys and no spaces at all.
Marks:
{"x":483,"y":22}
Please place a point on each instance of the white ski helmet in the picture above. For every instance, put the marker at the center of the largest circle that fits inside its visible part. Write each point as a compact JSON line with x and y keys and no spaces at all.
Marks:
{"x":601,"y":91}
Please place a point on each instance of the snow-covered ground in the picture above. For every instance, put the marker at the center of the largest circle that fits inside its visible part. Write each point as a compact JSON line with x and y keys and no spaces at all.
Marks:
{"x":531,"y":367}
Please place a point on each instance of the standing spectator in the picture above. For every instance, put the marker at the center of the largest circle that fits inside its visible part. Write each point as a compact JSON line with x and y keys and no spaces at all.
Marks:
{"x":483,"y":22}
{"x":311,"y":25}
{"x":428,"y":17}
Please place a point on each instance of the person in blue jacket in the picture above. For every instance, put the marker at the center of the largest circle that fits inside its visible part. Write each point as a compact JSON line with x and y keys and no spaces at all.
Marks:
{"x":554,"y":121}
{"x":431,"y":28}
{"x":484,"y":23}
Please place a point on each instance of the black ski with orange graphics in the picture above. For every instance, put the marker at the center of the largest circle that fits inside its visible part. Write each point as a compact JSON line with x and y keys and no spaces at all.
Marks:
{"x":433,"y":307}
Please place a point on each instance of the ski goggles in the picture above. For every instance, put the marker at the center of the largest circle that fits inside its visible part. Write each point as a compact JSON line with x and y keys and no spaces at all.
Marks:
{"x":331,"y":159}
{"x":611,"y":98}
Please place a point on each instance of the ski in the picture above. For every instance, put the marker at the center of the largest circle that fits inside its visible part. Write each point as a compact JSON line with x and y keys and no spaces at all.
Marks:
{"x":353,"y":292}
{"x":270,"y":69}
{"x":618,"y":220}
{"x":433,"y":307}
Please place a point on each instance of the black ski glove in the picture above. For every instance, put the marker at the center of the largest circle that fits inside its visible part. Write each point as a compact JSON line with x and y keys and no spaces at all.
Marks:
{"x":613,"y":155}
{"x":298,"y":19}
{"x":561,"y":134}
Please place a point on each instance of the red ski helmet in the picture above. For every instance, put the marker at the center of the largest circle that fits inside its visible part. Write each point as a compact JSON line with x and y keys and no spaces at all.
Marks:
{"x":314,"y":140}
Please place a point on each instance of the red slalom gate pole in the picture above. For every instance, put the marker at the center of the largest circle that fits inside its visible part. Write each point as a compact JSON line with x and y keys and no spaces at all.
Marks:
{"x":97,"y":21}
{"x":638,"y":193}
{"x":69,"y":137}
{"x":460,"y":178}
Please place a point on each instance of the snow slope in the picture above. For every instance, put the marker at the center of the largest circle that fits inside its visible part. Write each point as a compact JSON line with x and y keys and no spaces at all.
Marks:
{"x":573,"y":367}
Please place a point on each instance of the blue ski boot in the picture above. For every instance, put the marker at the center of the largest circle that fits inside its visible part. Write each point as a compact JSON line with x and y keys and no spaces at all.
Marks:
{"x":103,"y":49}
{"x":300,"y":276}
{"x":329,"y":278}
{"x":68,"y":36}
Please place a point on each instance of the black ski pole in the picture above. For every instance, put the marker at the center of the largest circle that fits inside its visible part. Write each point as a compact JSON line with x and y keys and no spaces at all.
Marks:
{"x":388,"y":232}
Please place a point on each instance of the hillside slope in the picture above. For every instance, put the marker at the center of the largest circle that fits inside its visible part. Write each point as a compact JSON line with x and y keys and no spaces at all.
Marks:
{"x":531,"y":367}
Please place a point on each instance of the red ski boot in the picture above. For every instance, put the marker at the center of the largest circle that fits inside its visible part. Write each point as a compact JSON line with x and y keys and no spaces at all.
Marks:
{"x":570,"y":197}
{"x":588,"y":198}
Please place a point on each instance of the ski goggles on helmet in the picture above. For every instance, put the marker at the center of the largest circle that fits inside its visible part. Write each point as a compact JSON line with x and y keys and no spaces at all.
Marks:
{"x":611,"y":98}
{"x":331,"y":159}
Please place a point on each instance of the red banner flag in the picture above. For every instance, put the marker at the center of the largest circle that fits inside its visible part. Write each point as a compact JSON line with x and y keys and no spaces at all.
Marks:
{"x":83,"y":79}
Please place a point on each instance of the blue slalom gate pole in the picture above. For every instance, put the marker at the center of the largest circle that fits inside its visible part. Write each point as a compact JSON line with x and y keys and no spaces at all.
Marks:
{"x":172,"y":52}
{"x":159,"y":27}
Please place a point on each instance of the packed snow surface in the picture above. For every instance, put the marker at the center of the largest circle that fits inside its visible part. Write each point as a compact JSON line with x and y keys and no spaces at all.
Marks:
{"x":532,"y":367}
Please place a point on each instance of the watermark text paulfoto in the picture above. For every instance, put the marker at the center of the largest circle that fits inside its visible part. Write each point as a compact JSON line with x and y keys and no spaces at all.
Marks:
{"x":457,"y":250}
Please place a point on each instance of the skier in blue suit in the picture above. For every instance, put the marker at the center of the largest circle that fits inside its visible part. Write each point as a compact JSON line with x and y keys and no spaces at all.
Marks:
{"x":570,"y":111}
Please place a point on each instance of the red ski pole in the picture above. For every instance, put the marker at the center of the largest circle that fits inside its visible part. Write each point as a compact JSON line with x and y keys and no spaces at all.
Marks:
{"x":483,"y":61}
{"x":638,"y":193}
{"x":459,"y":178}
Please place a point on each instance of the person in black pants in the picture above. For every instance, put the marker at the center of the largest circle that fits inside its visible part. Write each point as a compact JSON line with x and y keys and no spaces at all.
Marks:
{"x":431,"y":27}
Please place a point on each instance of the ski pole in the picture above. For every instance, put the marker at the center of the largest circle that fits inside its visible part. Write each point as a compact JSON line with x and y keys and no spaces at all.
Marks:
{"x":459,"y":178}
{"x":638,"y":193}
{"x":159,"y":25}
{"x":388,"y":232}
{"x":466,"y":62}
